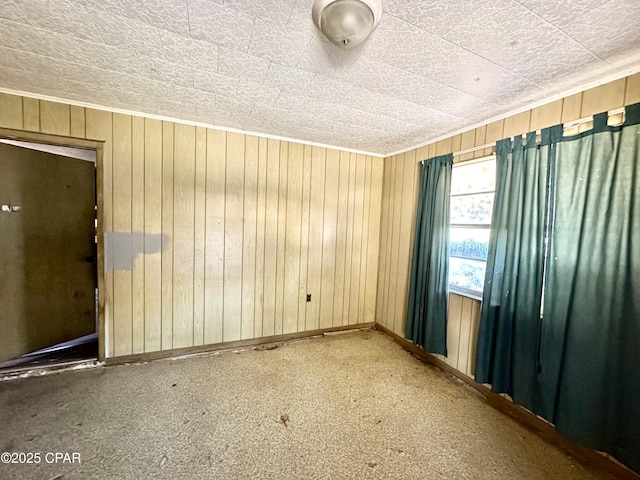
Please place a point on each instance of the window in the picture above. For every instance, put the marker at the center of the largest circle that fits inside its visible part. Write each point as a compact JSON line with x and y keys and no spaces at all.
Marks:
{"x":472,"y":190}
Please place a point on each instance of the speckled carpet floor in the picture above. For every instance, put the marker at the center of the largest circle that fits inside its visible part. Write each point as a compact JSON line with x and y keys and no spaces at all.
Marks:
{"x":347,"y":406}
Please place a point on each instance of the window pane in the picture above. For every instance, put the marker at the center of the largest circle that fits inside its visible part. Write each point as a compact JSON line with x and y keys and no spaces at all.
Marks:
{"x":467,"y":274}
{"x":472,"y":209}
{"x":477,"y":177}
{"x":469,"y":242}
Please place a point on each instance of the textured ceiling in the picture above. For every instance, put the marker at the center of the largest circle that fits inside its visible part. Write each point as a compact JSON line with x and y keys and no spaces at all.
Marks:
{"x":430,"y":68}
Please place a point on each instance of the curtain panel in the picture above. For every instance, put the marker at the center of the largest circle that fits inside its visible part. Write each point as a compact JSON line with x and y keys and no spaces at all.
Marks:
{"x":590,"y":339}
{"x":571,"y":355}
{"x":427,"y":304}
{"x":507,"y":352}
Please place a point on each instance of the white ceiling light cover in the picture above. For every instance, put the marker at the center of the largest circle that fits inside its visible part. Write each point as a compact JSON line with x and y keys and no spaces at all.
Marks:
{"x":347,"y":23}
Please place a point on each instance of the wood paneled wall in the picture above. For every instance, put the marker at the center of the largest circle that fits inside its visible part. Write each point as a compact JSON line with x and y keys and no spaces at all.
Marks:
{"x":399,"y":197}
{"x":249,"y":227}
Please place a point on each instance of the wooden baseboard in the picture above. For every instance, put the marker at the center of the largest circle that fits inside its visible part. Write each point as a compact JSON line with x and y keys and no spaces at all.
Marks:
{"x":180,"y":352}
{"x":591,"y":459}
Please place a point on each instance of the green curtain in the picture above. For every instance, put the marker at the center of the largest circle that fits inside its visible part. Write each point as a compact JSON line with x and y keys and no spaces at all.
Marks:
{"x":507,"y":351}
{"x":578,"y":365}
{"x":427,"y":307}
{"x":590,"y":341}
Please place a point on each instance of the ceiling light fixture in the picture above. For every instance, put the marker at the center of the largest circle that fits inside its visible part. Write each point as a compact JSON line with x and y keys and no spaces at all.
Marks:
{"x":347,"y":23}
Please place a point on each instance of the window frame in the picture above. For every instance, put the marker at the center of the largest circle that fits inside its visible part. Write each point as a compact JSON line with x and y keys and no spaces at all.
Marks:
{"x":459,"y":290}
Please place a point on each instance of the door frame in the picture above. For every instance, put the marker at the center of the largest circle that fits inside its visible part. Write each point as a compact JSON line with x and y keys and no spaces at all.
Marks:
{"x":98,"y":146}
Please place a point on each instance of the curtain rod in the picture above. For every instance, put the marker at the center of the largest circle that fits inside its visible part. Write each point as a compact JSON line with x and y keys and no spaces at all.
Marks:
{"x":571,"y":124}
{"x":474,"y":149}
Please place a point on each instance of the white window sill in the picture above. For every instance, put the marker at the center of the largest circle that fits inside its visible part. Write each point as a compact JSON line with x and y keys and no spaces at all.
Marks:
{"x":465,"y":293}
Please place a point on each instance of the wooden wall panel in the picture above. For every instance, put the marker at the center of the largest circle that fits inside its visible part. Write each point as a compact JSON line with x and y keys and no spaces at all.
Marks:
{"x":153,"y":235}
{"x":233,"y":238}
{"x":214,"y":235}
{"x":385,"y":230}
{"x":467,"y":140}
{"x":356,"y":240}
{"x":517,"y":124}
{"x":416,"y":193}
{"x":375,"y":235}
{"x":199,"y":237}
{"x":31,"y":112}
{"x":464,"y":338}
{"x":350,"y":205}
{"x":454,"y":325}
{"x":316,"y":224}
{"x":339,"y":316}
{"x":494,"y":133}
{"x":271,"y":238}
{"x":137,"y":238}
{"x":422,"y":153}
{"x":546,"y":115}
{"x":363,"y":247}
{"x":405,"y":250}
{"x":456,"y":142}
{"x":304,"y":238}
{"x":250,"y":219}
{"x":632,"y":93}
{"x":474,"y":324}
{"x":167,"y":230}
{"x":183,"y":233}
{"x":11,"y":112}
{"x":481,"y":135}
{"x":387,"y":293}
{"x":281,"y":237}
{"x":330,"y":219}
{"x":121,"y":244}
{"x":293,"y":230}
{"x":603,"y":98}
{"x":78,"y":122}
{"x":444,"y":146}
{"x":55,"y":118}
{"x":261,"y":217}
{"x":571,"y":107}
{"x":398,"y":222}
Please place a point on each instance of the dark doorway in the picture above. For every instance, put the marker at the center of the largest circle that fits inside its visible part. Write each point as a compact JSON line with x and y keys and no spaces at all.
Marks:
{"x":48,"y":270}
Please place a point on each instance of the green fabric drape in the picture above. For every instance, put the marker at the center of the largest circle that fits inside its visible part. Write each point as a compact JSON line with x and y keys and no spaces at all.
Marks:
{"x":579,"y":365}
{"x":590,"y":342}
{"x":427,"y":306}
{"x":507,"y":352}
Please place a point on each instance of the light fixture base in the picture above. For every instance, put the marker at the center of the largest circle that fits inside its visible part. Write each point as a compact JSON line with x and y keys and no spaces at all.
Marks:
{"x":346,"y":23}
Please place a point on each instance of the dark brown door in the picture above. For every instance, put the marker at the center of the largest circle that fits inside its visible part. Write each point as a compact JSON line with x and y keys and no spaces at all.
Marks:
{"x":47,"y":272}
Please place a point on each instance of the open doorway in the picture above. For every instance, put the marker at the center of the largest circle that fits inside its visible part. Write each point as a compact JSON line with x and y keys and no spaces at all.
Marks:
{"x":48,"y":255}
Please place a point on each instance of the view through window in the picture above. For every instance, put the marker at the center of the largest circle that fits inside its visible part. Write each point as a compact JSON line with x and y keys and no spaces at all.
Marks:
{"x":472,"y":190}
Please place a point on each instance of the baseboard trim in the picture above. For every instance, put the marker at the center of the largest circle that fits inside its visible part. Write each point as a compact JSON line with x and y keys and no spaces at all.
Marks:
{"x":214,"y":347}
{"x":591,"y":459}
